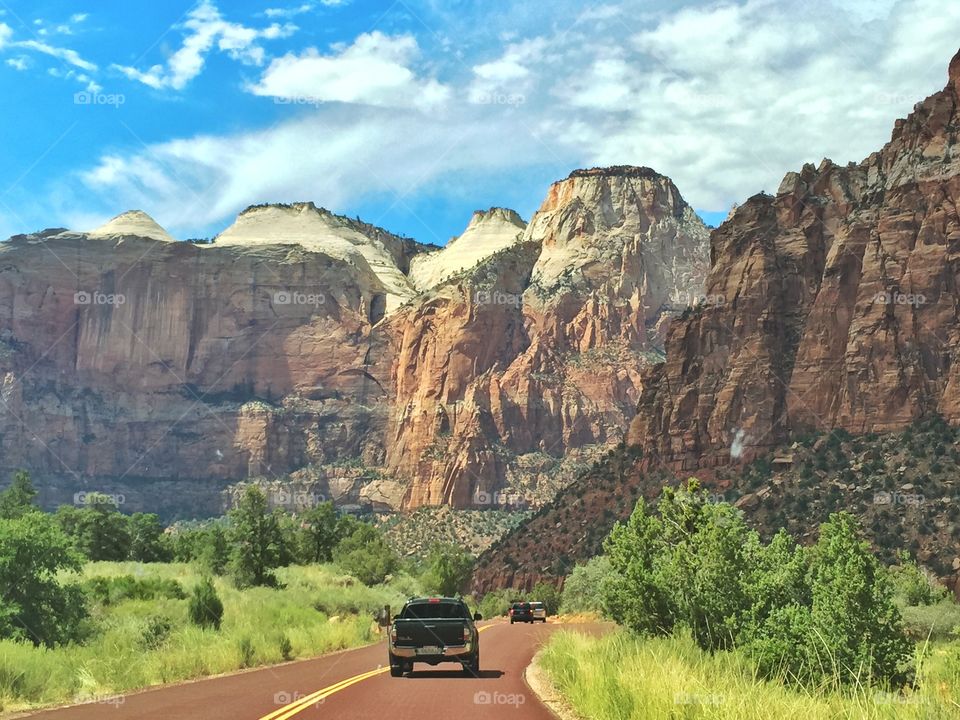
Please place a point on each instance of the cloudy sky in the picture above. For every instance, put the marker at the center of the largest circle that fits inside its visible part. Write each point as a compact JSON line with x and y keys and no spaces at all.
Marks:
{"x":413,"y":113}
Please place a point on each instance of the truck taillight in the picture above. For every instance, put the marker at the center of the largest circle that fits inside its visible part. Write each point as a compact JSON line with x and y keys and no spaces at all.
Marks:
{"x":466,"y":634}
{"x":393,"y":634}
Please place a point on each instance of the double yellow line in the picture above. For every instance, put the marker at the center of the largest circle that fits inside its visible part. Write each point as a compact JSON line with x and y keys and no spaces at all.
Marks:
{"x":288,"y":711}
{"x":300,"y":704}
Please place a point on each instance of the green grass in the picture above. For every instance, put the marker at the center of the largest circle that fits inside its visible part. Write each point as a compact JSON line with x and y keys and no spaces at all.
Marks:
{"x":620,"y":677}
{"x":138,"y":643}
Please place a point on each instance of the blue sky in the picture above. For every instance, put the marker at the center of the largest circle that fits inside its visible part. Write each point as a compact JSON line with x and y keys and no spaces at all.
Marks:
{"x":411,"y":114}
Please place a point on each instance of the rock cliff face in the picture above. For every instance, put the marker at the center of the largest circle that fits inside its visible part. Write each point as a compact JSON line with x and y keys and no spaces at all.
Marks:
{"x":832,"y":305}
{"x":324,"y":356}
{"x":515,"y":374}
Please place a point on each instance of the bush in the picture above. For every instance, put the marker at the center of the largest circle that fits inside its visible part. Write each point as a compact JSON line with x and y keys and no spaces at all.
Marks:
{"x":548,"y":595}
{"x":497,"y":602}
{"x":111,"y":590}
{"x":366,"y":555}
{"x":581,"y":589}
{"x":205,"y":608}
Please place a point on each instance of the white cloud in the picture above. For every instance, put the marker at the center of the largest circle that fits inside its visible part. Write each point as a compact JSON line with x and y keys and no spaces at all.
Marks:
{"x":723,"y":98}
{"x":361,"y":152}
{"x":20,"y":63}
{"x":288,"y":12}
{"x":65,"y":54}
{"x":374,"y":70}
{"x":206,"y":30}
{"x":6,"y":32}
{"x":78,"y":18}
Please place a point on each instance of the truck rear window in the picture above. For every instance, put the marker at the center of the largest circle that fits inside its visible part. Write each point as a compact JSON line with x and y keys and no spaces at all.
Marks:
{"x":441,"y":611}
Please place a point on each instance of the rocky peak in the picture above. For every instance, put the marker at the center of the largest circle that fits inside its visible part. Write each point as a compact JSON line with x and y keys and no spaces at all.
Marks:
{"x":488,"y":232}
{"x":496,"y":215}
{"x":132,"y":223}
{"x":626,"y":225}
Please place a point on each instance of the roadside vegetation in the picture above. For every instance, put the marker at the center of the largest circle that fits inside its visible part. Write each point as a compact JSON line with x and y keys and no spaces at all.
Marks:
{"x":95,"y":602}
{"x":716,"y":622}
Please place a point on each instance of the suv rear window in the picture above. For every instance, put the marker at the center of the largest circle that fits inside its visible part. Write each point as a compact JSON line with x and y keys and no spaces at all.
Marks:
{"x":537,"y":605}
{"x":439,"y":610}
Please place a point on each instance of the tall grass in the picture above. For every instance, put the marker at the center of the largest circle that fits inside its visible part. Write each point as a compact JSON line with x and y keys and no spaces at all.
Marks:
{"x":138,"y":643}
{"x":620,"y":677}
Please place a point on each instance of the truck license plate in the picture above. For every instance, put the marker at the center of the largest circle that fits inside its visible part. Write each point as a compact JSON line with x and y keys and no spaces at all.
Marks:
{"x":430,"y":650}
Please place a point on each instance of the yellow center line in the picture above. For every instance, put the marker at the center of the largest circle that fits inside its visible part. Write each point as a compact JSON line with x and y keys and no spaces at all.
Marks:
{"x":288,"y":711}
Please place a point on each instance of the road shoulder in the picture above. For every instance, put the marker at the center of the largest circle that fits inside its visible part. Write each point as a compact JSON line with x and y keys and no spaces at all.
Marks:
{"x":546,"y":692}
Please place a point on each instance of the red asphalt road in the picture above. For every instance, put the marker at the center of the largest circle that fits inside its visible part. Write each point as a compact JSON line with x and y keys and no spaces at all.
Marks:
{"x":273,"y":693}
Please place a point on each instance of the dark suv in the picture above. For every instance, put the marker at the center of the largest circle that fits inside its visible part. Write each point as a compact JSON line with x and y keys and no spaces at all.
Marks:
{"x":521,"y":612}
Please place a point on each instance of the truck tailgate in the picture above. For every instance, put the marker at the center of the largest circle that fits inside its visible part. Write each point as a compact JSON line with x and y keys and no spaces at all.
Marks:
{"x":413,"y":632}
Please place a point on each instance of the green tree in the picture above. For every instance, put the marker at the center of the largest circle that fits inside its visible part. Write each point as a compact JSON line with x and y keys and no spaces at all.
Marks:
{"x":256,"y":540}
{"x":321,"y":532}
{"x":34,"y":605}
{"x":98,"y":530}
{"x":366,"y":555}
{"x":581,"y":590}
{"x":448,"y":569}
{"x":214,"y":552}
{"x":147,"y":539}
{"x":18,"y":499}
{"x":548,"y":594}
{"x":857,"y":630}
{"x":205,"y":607}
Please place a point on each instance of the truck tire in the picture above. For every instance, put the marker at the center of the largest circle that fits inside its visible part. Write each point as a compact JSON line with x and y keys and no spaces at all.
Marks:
{"x":472,"y":666}
{"x":397,"y":666}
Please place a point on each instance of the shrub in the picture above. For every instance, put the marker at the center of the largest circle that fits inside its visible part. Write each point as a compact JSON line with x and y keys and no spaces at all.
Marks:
{"x":206,"y":608}
{"x":580,"y":591}
{"x":448,"y":569}
{"x":366,"y":555}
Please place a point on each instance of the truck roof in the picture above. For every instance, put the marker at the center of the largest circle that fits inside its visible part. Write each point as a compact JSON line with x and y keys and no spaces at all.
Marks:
{"x":434,"y":600}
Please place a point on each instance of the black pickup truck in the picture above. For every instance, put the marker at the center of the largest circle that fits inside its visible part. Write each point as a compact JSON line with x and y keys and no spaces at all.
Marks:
{"x":432,"y":631}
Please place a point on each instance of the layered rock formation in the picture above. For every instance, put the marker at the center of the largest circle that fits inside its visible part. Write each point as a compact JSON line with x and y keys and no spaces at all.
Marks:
{"x":833,"y":305}
{"x":325,"y":355}
{"x":516,"y":374}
